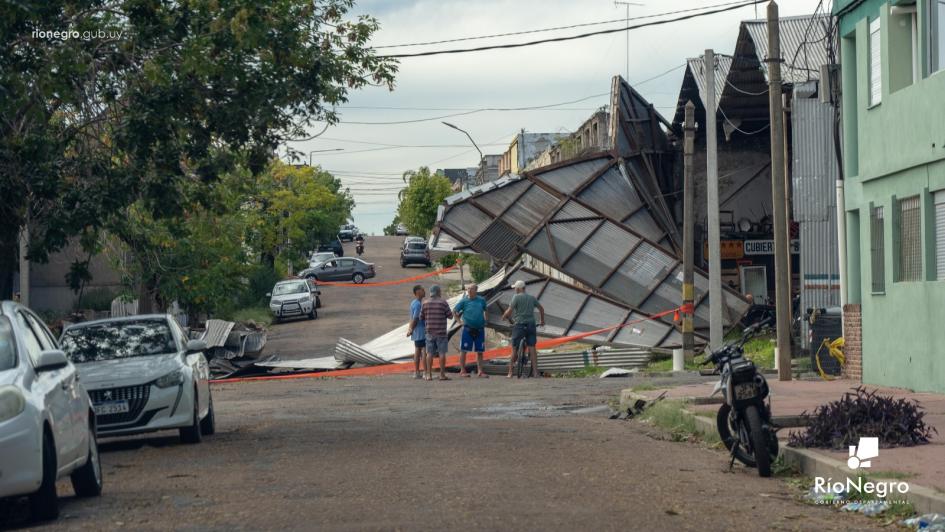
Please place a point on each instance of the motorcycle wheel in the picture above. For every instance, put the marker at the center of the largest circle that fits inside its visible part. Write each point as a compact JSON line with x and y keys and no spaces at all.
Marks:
{"x":729,"y":436}
{"x":759,"y":442}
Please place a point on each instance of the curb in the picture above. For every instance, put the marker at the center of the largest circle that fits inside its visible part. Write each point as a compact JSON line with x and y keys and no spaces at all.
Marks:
{"x":924,"y":499}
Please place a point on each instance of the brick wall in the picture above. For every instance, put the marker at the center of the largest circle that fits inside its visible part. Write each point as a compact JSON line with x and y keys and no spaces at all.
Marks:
{"x":853,"y":342}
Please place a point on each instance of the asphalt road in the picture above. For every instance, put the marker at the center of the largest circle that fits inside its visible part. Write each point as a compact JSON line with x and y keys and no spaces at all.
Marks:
{"x":394,"y":453}
{"x":358,"y":314}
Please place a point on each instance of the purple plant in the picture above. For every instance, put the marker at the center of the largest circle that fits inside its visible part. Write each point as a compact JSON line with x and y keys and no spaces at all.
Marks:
{"x":838,"y":424}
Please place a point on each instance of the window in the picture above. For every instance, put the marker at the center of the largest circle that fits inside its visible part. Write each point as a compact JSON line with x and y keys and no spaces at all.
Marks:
{"x":33,"y":346}
{"x":939,"y":201}
{"x":877,"y":266}
{"x":45,"y":337}
{"x":910,"y":239}
{"x":936,"y":35}
{"x":876,"y":65}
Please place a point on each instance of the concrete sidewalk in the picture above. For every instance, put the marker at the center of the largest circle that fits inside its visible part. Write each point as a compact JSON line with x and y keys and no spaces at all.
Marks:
{"x":923,"y":464}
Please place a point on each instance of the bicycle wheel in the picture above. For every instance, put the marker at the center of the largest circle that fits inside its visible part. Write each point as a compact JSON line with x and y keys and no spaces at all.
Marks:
{"x":522,"y":354}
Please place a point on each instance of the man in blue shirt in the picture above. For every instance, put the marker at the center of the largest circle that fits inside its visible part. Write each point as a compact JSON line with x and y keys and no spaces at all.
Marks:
{"x":416,"y":330}
{"x":471,"y":310}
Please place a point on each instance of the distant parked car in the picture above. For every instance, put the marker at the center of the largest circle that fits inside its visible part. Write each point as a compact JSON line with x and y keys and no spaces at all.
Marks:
{"x":355,"y":270}
{"x":294,"y":298}
{"x":402,"y":230}
{"x":332,"y":246}
{"x":415,"y":253}
{"x":410,"y":239}
{"x":47,"y":428}
{"x":319,"y":258}
{"x":143,"y":374}
{"x":347,"y":232}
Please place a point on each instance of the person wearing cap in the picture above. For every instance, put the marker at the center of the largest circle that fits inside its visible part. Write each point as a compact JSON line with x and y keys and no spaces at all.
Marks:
{"x":435,"y":314}
{"x":471,"y":311}
{"x":521,"y":313}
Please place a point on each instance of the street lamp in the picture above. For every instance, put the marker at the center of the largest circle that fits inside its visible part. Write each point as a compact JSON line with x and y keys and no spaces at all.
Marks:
{"x":319,"y":151}
{"x":468,"y":135}
{"x":627,"y":4}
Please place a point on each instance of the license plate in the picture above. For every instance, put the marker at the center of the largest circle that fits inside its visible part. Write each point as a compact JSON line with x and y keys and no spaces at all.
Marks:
{"x":745,"y":391}
{"x":114,"y":407}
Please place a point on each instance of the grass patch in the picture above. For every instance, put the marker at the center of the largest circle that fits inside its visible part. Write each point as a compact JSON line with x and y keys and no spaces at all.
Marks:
{"x":586,"y":371}
{"x":670,"y":415}
{"x":780,"y":468}
{"x":760,"y":350}
{"x":895,"y":475}
{"x":260,"y":315}
{"x":665,"y":365}
{"x":645,"y":387}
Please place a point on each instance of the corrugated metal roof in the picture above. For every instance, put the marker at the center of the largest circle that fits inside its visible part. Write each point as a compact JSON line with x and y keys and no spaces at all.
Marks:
{"x":803,"y":45}
{"x":696,"y":66}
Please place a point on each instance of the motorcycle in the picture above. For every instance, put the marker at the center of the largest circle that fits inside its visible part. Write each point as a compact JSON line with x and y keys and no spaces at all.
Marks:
{"x":360,"y":247}
{"x":744,"y":419}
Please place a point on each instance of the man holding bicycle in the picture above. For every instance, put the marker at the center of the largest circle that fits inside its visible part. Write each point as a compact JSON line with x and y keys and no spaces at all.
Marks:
{"x":521,"y":313}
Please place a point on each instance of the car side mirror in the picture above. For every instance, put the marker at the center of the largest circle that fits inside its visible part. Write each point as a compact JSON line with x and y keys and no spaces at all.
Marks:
{"x":196,"y":346}
{"x":51,"y":360}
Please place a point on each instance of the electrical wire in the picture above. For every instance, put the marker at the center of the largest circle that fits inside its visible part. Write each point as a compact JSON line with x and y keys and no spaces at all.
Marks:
{"x":571,"y":37}
{"x":743,"y":91}
{"x":736,"y":128}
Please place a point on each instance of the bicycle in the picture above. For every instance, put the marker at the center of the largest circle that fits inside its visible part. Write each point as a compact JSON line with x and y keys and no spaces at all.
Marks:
{"x":522,"y":354}
{"x":835,"y":351}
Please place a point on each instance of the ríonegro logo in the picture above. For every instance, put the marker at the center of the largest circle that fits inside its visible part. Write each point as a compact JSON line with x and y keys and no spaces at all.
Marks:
{"x":861,"y":457}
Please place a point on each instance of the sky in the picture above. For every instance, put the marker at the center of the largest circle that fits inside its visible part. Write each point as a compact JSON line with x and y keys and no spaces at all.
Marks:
{"x":430,"y":87}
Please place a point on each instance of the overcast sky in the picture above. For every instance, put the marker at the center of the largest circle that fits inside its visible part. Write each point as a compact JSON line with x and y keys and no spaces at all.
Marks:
{"x":529,"y":76}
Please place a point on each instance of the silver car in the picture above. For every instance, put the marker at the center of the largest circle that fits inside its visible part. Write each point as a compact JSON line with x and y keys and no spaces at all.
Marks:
{"x":343,"y":269}
{"x":294,"y":298}
{"x":143,"y":374}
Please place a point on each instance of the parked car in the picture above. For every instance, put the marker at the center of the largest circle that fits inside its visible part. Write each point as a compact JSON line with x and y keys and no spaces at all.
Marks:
{"x":402,"y":230}
{"x":333,"y":246}
{"x":47,"y":428}
{"x":319,"y":258}
{"x":410,"y":239}
{"x":352,"y":269}
{"x":415,"y":253}
{"x":347,"y":232}
{"x":143,"y":374}
{"x":294,"y":298}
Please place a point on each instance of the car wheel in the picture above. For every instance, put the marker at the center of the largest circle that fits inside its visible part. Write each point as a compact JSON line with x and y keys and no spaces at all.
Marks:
{"x":275,"y":320}
{"x":358,"y":278}
{"x":44,"y":503}
{"x":318,"y":302}
{"x":208,"y":425}
{"x":403,"y":264}
{"x":192,"y":433}
{"x":312,"y":314}
{"x":87,"y":480}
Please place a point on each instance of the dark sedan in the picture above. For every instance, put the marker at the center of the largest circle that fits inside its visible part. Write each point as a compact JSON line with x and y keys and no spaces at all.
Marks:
{"x":342,"y":269}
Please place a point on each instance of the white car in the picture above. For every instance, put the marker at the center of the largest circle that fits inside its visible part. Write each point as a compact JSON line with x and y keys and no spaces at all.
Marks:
{"x":293,"y":298}
{"x":47,"y":429}
{"x":143,"y":375}
{"x":320,"y":258}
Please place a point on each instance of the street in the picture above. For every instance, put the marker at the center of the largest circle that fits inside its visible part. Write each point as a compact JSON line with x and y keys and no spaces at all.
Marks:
{"x":395,"y":453}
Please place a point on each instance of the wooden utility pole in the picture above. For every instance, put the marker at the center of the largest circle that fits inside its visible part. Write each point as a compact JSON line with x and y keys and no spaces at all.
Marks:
{"x":716,"y":304}
{"x":689,"y":200}
{"x":782,"y":272}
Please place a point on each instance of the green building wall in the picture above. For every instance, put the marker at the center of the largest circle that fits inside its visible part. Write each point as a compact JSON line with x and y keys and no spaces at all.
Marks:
{"x":893,"y":150}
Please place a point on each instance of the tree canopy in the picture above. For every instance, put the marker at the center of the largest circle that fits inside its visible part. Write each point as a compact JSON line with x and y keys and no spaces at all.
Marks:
{"x":421,"y":199}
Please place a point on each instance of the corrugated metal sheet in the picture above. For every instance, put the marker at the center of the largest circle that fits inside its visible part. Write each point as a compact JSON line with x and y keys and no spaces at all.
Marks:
{"x":696,"y":67}
{"x":814,"y":176}
{"x":802,"y":41}
{"x":575,"y":360}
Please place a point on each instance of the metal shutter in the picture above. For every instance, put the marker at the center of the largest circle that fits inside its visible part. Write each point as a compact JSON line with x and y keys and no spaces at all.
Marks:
{"x":940,"y":235}
{"x":877,"y":251}
{"x":910,"y":239}
{"x":876,"y":64}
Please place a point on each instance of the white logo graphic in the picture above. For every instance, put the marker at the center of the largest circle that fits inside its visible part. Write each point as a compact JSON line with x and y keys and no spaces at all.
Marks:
{"x":861,"y":454}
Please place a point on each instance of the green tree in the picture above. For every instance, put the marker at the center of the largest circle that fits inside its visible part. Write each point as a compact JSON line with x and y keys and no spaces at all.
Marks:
{"x":392,"y":228}
{"x":421,"y":199}
{"x":160,"y":94}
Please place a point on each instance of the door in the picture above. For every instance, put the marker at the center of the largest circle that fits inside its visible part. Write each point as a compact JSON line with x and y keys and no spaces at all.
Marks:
{"x":329,"y":271}
{"x":346,"y":270}
{"x":56,"y":390}
{"x":755,"y":283}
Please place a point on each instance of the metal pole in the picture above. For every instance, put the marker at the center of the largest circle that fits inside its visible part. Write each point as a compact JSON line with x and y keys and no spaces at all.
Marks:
{"x":467,"y":135}
{"x":689,"y":200}
{"x":782,"y":291}
{"x":25,"y":263}
{"x":842,"y":248}
{"x":712,"y":212}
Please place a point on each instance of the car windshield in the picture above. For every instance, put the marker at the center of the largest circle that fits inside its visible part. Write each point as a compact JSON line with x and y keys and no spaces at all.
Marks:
{"x":118,"y":339}
{"x":417,"y":245}
{"x":7,"y":350}
{"x":321,"y":257}
{"x":290,"y":288}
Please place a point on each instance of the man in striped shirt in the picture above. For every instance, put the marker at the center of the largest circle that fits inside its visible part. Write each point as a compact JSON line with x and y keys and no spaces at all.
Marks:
{"x":435,"y":313}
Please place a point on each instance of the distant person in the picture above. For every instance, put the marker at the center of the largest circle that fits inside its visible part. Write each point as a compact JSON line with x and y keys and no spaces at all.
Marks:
{"x":521,"y":313}
{"x":435,"y":313}
{"x":471,"y":311}
{"x":416,"y":331}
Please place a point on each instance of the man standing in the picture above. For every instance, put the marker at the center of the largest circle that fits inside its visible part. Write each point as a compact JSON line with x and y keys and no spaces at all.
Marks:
{"x":435,"y":312}
{"x":416,"y":331}
{"x":521,"y":313}
{"x":471,"y":310}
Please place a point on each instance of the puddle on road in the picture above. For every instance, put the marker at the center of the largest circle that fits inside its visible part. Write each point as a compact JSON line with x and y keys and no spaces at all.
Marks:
{"x":526,"y":409}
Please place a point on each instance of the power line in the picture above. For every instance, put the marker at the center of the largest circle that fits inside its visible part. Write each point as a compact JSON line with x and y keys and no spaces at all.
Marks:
{"x":571,"y":37}
{"x":540,"y":30}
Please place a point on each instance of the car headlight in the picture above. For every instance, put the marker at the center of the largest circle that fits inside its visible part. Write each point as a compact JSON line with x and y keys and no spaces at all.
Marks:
{"x":171,"y":379}
{"x":12,"y":402}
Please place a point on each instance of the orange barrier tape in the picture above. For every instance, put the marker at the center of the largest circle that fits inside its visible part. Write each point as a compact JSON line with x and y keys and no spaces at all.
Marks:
{"x":389,"y":369}
{"x":388,"y":283}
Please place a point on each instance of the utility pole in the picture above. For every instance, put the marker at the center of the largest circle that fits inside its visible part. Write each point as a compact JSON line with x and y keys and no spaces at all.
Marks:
{"x":716,"y":304}
{"x":782,"y":285}
{"x":25,"y":263}
{"x":689,"y":200}
{"x":627,"y":31}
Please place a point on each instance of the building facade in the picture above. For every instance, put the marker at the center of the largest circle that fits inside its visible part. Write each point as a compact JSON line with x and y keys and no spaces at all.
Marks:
{"x":893,"y":102}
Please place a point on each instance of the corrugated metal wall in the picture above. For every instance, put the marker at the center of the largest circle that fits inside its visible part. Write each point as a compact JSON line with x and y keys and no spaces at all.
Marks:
{"x":815,"y":205}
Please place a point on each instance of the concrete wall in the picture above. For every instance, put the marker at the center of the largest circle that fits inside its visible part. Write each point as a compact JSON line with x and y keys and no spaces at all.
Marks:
{"x":48,"y":288}
{"x":893,"y":150}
